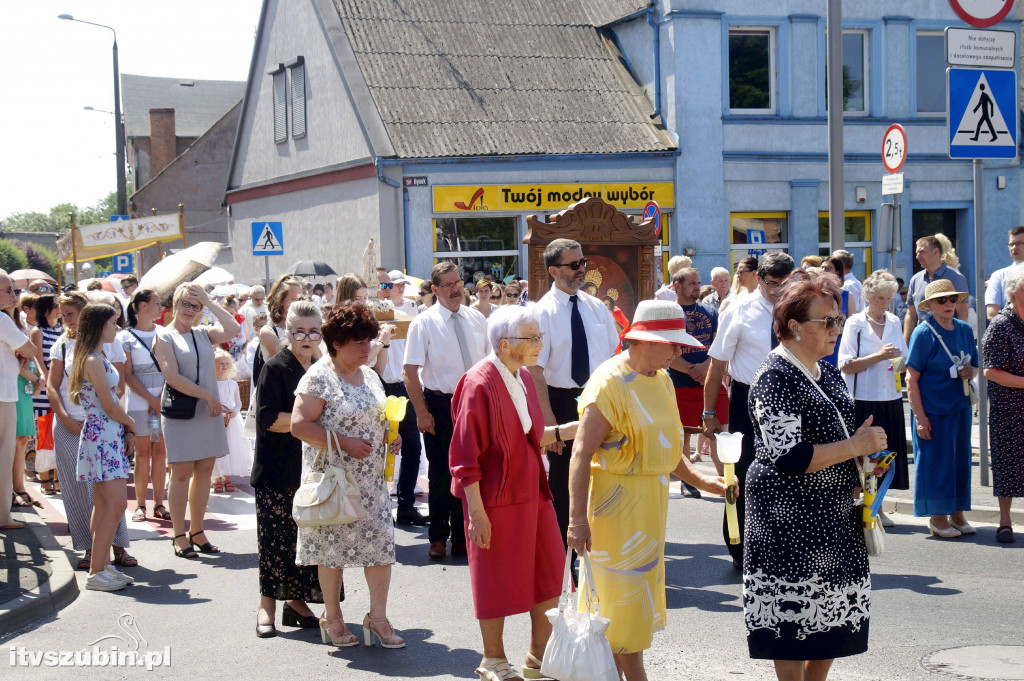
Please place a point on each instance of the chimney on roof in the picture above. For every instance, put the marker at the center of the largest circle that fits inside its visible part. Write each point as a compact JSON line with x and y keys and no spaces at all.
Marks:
{"x":163,"y":142}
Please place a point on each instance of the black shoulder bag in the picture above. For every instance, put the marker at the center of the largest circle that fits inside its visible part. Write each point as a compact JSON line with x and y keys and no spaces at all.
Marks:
{"x":175,"y":404}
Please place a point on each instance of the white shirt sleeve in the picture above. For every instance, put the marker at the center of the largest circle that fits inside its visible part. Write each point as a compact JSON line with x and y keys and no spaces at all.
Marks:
{"x":11,"y":334}
{"x":723,"y":348}
{"x":416,"y":342}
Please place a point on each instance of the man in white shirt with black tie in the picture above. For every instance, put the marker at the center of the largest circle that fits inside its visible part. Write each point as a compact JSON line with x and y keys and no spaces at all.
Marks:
{"x":579,"y":334}
{"x":443,"y":342}
{"x":745,"y":337}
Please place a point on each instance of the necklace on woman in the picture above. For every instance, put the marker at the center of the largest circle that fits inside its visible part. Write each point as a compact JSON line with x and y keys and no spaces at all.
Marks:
{"x":875,"y":321}
{"x":788,"y":354}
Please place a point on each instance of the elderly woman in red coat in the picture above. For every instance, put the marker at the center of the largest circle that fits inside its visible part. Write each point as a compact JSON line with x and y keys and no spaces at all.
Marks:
{"x":516,"y":555}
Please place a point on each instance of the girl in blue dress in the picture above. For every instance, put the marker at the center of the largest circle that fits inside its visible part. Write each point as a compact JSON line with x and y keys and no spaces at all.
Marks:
{"x":108,"y":436}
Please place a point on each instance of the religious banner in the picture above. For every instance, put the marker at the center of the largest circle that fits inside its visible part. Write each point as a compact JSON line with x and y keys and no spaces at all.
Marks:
{"x":112,"y":238}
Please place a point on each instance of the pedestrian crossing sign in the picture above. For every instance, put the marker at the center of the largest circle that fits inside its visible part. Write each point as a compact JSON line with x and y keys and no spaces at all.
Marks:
{"x":981,"y":113}
{"x":268,"y":238}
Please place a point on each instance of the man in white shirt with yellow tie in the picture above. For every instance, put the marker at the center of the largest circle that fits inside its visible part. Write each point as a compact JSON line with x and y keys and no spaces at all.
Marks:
{"x":579,"y":334}
{"x":443,"y":342}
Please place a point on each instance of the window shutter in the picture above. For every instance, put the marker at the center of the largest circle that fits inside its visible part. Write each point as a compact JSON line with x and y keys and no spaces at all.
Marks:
{"x":280,"y":106}
{"x":298,"y":98}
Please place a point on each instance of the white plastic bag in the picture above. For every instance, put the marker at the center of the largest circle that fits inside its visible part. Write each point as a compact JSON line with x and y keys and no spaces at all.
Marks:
{"x":578,"y":649}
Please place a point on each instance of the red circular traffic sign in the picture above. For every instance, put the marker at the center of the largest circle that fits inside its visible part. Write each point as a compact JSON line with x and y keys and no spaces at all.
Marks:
{"x":894,"y":148}
{"x":982,"y":13}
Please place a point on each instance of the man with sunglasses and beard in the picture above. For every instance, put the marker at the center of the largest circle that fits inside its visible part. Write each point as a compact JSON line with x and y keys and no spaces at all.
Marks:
{"x":443,"y":343}
{"x":745,"y":337}
{"x":579,"y":334}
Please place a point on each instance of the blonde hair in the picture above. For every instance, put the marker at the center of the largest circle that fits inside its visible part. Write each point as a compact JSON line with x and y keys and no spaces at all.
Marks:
{"x":945,"y":246}
{"x":221,"y":353}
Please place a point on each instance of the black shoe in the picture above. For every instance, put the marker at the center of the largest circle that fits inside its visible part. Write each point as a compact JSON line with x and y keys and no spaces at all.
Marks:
{"x":690,"y":491}
{"x":290,"y":618}
{"x":411,"y":516}
{"x":737,"y":564}
{"x":266,"y":631}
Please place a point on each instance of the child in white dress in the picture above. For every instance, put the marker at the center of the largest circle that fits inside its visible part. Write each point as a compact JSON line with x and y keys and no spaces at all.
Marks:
{"x":238,"y":460}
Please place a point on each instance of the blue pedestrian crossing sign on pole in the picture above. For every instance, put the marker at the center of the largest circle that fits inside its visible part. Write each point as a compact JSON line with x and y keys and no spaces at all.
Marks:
{"x":268,"y":238}
{"x":981,"y":113}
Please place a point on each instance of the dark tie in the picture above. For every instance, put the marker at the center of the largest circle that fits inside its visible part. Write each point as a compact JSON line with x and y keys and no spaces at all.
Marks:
{"x":580,"y":353}
{"x":775,"y":339}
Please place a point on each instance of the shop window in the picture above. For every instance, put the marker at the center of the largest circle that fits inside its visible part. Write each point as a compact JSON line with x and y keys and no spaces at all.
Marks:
{"x":931,"y":73}
{"x":857,"y":234}
{"x":488,"y":245}
{"x":751,"y":70}
{"x":754,"y":234}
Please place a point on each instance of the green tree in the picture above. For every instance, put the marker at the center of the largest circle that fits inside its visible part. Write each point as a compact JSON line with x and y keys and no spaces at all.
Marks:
{"x":39,"y":257}
{"x":11,"y":257}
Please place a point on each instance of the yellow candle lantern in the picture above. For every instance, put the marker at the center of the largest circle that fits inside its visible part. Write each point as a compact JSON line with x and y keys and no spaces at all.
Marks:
{"x":394,"y":411}
{"x":730,"y":446}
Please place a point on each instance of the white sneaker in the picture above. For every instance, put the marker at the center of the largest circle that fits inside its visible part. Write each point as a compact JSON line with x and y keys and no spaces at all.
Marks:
{"x":104,"y":581}
{"x":886,"y":520}
{"x":418,"y":491}
{"x":117,"y":574}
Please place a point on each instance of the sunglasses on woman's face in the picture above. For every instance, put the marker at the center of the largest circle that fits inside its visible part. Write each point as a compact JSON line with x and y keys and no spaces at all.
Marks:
{"x":511,"y":294}
{"x":495,"y":296}
{"x":831,"y":322}
{"x":191,"y":306}
{"x":942,"y":300}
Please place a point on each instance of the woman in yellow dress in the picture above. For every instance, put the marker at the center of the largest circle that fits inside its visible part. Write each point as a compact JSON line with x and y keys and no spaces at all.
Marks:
{"x":628,"y":443}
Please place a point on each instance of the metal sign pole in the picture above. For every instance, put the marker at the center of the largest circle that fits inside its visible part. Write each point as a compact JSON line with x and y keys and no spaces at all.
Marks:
{"x":836,"y":210}
{"x":266,"y":269}
{"x":979,"y":299}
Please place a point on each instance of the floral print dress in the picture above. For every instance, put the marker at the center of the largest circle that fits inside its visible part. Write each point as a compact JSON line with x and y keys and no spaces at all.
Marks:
{"x":350,"y":411}
{"x":101,"y":448}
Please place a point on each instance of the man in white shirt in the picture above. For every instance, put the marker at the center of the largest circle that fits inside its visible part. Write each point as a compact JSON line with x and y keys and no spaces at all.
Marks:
{"x":253,"y":307}
{"x":409,"y":466}
{"x":675,"y":263}
{"x":443,"y":342}
{"x":745,"y":337}
{"x":579,"y":334}
{"x":850,"y":283}
{"x":13,"y":344}
{"x":995,"y":293}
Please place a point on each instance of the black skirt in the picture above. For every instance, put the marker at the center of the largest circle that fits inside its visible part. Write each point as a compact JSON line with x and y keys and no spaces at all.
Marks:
{"x":889,"y":415}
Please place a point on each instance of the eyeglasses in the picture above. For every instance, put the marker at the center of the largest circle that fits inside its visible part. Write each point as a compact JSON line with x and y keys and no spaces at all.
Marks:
{"x":772,"y":284}
{"x":310,"y":335}
{"x":511,"y":294}
{"x":942,"y":300}
{"x":457,"y":284}
{"x":386,"y":286}
{"x":496,"y":296}
{"x":536,"y":340}
{"x":830,"y":322}
{"x":191,"y":306}
{"x":575,"y":264}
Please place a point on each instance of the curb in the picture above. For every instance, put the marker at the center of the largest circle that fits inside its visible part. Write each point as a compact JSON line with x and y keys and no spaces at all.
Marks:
{"x":60,"y":590}
{"x":977,"y":514}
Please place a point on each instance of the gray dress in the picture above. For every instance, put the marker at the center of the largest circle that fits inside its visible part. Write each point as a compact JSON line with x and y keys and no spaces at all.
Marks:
{"x":202,"y":436}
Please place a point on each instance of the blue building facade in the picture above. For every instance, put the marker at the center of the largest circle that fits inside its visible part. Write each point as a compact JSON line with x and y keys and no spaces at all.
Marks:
{"x":745,"y":93}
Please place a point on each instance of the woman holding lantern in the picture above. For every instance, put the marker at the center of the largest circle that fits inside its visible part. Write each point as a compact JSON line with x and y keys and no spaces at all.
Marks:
{"x":345,"y":396}
{"x":806,"y":584}
{"x":943,"y":359}
{"x":515,"y":548}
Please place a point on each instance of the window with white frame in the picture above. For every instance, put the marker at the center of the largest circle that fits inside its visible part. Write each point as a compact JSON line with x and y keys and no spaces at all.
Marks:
{"x":855,"y":72}
{"x":931,"y":72}
{"x":751,"y":70}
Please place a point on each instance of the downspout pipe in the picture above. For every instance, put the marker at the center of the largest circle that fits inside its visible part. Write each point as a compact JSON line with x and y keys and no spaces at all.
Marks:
{"x":652,"y":12}
{"x":405,"y":205}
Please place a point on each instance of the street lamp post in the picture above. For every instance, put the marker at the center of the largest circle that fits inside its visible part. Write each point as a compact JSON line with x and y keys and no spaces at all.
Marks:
{"x":122,"y":193}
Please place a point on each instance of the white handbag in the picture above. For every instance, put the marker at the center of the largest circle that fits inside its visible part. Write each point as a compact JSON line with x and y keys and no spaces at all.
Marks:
{"x":578,"y":649}
{"x":329,"y":496}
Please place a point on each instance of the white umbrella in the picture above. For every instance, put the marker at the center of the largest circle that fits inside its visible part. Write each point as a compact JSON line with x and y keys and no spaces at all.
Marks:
{"x":185,"y":265}
{"x":230,"y":290}
{"x":215,"y":276}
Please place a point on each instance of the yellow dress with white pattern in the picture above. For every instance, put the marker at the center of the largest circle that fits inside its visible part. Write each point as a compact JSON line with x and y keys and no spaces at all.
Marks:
{"x":628,"y":501}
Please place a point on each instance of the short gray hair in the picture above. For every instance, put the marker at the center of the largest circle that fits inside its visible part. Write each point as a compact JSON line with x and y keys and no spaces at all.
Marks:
{"x":505,"y":321}
{"x":1014,"y":281}
{"x":719,"y":270}
{"x":258,"y":290}
{"x":878,"y":282}
{"x":302,"y":309}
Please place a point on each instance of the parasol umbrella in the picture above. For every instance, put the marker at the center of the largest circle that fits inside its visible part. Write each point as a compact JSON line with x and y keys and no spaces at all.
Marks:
{"x":104,"y":282}
{"x":215,"y":276}
{"x":311,"y":268}
{"x":22,"y":278}
{"x":230,"y":290}
{"x":185,"y":265}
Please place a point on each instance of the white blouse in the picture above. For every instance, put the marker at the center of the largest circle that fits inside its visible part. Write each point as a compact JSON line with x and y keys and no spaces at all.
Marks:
{"x":877,"y":383}
{"x":516,"y":390}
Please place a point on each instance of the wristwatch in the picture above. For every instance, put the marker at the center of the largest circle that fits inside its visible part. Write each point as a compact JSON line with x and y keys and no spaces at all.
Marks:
{"x":705,"y":415}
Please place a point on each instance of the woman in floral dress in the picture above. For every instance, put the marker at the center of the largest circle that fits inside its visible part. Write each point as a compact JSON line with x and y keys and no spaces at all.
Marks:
{"x":108,"y":436}
{"x":345,"y":396}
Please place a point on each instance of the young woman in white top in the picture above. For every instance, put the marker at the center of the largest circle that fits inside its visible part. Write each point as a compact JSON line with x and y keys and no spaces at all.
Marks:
{"x":145,"y":383}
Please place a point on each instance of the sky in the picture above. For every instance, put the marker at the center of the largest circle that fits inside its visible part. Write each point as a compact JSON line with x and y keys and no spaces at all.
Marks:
{"x":56,"y":152}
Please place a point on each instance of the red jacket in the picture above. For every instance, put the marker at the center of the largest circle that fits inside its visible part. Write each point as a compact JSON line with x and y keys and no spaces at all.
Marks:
{"x":488,"y":442}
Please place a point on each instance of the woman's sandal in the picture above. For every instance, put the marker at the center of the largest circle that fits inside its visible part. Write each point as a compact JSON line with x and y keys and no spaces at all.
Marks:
{"x":161,"y":512}
{"x":22,"y":500}
{"x":125,"y":559}
{"x":534,"y":672}
{"x":139,"y":516}
{"x":205,"y":547}
{"x":346,"y":640}
{"x":86,"y":562}
{"x":218,"y":487}
{"x":496,"y":669}
{"x":183,"y":553}
{"x":229,"y":486}
{"x":46,"y":487}
{"x":369,"y":635}
{"x":1004,"y":534}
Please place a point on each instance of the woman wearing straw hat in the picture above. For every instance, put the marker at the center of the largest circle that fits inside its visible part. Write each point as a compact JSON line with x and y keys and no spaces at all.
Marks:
{"x":628,"y":442}
{"x":942,"y":360}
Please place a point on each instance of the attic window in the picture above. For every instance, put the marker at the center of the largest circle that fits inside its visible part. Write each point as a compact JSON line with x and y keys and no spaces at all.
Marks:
{"x":280,"y":104}
{"x":297,"y":67}
{"x":186,"y":83}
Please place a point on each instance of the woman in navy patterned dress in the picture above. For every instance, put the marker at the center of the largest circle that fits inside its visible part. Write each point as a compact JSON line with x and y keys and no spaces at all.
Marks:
{"x":806,"y":584}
